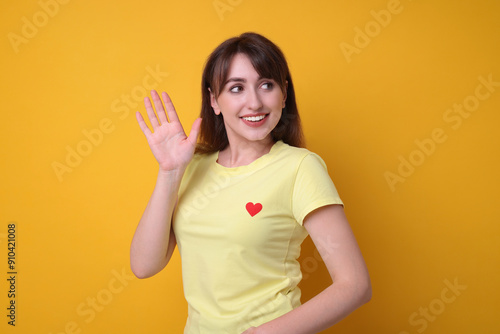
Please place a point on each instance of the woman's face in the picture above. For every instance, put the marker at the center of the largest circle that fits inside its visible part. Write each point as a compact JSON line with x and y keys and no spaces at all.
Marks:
{"x":251,"y":106}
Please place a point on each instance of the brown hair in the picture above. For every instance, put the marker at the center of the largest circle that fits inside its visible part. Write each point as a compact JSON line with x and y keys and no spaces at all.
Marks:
{"x":269,"y":61}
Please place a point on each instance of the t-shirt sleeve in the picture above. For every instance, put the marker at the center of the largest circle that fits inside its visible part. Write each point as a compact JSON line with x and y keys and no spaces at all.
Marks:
{"x":313,"y":188}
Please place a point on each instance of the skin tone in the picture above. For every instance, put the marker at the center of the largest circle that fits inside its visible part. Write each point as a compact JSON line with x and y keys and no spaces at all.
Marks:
{"x":245,"y":95}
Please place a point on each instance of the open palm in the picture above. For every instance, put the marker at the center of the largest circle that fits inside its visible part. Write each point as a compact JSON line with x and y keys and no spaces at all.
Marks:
{"x":170,"y":146}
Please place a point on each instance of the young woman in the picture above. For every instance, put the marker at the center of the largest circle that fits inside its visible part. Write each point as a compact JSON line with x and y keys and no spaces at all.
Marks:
{"x":239,"y":203}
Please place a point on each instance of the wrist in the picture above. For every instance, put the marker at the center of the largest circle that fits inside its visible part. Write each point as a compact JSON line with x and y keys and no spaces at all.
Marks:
{"x":170,"y":178}
{"x":171,"y":173}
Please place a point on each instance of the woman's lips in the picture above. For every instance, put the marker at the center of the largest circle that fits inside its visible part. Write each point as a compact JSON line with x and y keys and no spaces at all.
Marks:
{"x":255,"y":120}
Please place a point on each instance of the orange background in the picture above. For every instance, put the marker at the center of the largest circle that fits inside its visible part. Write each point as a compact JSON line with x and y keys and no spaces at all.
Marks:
{"x":379,"y":85}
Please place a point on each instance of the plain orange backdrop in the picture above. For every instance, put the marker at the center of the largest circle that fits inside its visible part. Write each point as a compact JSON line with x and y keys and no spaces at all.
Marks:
{"x":400,"y":98}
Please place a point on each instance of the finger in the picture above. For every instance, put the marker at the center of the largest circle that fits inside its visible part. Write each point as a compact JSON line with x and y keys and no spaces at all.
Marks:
{"x":142,"y":124}
{"x":172,"y":114}
{"x":159,"y":107}
{"x":195,"y":130}
{"x":151,"y":113}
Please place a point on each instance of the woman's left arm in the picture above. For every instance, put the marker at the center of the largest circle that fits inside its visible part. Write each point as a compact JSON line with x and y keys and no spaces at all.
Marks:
{"x":351,"y":287}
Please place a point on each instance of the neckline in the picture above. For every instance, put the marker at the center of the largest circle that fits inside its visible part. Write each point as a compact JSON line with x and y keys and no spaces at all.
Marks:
{"x":251,"y":166}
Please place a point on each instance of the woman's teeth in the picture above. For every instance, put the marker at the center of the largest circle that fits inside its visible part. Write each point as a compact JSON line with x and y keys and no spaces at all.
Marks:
{"x":254,"y":118}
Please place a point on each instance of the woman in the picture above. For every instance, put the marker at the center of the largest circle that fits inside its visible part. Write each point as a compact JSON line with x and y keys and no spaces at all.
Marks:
{"x":240,"y":202}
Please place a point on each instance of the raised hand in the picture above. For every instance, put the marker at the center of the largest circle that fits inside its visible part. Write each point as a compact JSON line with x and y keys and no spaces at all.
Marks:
{"x":170,"y":146}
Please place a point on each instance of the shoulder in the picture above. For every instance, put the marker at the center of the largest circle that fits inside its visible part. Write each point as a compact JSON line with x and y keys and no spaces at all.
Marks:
{"x":284,"y":150}
{"x":301,"y":156}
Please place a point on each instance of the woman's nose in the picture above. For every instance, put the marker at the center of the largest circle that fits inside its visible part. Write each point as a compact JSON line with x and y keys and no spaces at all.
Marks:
{"x":254,"y":100}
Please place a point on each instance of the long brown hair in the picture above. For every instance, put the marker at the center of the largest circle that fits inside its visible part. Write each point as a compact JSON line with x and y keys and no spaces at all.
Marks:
{"x":269,"y":62}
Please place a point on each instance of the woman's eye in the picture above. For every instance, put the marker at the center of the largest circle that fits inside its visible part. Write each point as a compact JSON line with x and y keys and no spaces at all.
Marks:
{"x":236,"y":89}
{"x":267,"y":85}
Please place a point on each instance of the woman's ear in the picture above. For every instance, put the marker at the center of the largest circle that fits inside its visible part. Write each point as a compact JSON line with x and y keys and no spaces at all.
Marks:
{"x":213,"y":102}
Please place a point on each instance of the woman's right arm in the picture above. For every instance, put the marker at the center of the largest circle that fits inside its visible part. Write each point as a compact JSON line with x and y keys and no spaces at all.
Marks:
{"x":154,"y":241}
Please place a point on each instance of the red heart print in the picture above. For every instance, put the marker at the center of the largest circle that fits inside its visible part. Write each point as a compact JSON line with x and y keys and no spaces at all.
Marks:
{"x":253,"y":209}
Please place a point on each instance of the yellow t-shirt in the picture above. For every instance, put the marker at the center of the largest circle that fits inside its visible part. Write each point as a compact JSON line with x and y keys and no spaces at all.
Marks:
{"x":239,"y":232}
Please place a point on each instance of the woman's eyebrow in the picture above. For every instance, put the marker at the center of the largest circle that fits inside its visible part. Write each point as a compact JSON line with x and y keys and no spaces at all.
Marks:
{"x":238,"y":79}
{"x":235,"y":79}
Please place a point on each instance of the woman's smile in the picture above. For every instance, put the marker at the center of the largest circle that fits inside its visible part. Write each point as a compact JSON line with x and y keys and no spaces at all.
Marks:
{"x":255,"y":120}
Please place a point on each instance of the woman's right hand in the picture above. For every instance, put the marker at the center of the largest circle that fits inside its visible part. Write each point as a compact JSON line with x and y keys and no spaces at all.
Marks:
{"x":170,"y":146}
